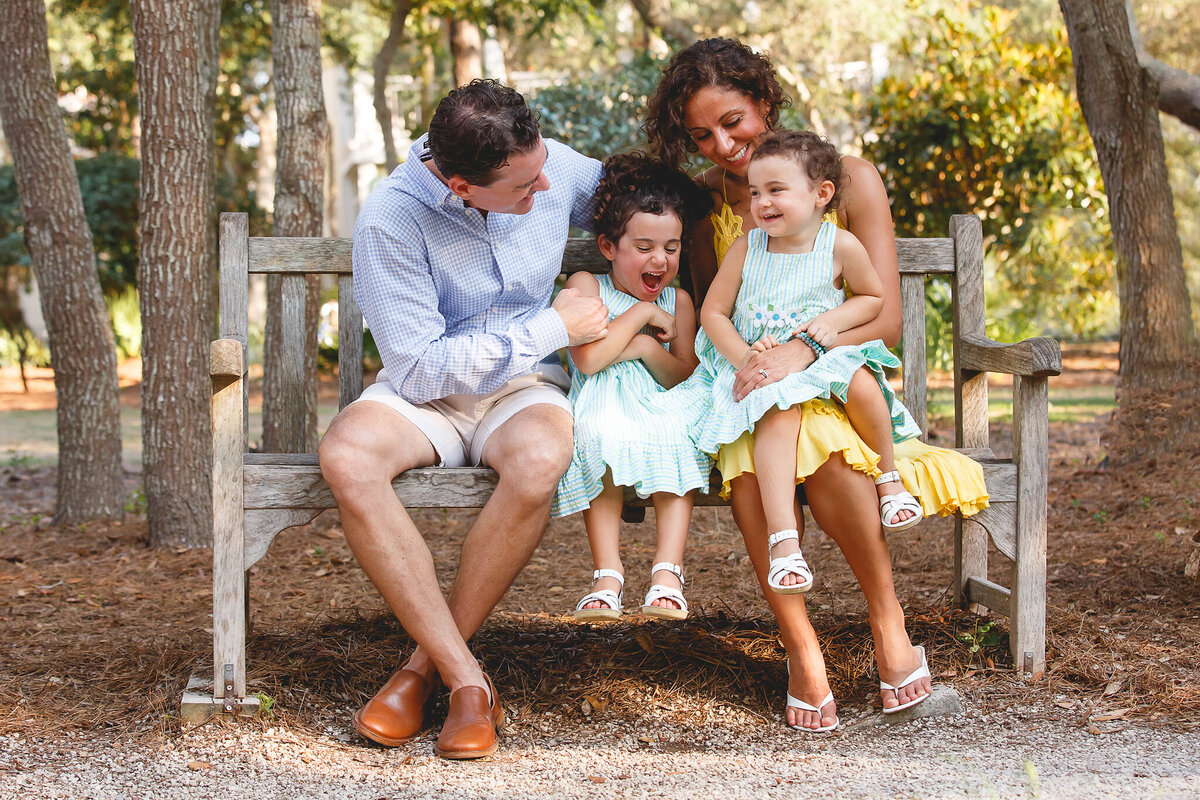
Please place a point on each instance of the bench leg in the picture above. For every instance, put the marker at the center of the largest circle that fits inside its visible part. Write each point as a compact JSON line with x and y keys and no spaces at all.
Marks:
{"x":970,"y":557}
{"x":1027,"y":611}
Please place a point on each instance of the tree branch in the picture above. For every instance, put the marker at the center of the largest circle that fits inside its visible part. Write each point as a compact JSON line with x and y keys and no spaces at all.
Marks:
{"x":383,"y":65}
{"x":1178,"y":91}
{"x":654,"y":15}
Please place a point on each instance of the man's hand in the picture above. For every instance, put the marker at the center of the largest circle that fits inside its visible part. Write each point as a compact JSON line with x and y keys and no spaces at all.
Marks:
{"x":585,"y":318}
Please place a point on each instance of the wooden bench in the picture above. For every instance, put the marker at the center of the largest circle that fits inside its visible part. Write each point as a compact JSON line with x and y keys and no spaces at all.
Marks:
{"x":257,"y":495}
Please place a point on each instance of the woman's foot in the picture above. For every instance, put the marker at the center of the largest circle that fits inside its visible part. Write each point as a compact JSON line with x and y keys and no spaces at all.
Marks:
{"x":905,"y":681}
{"x":810,"y":691}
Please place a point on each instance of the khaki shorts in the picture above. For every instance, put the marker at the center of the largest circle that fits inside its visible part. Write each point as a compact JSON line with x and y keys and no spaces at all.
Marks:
{"x":458,"y":426}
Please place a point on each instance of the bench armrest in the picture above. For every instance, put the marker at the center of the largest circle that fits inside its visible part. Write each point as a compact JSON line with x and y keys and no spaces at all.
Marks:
{"x":1035,"y":357}
{"x":225,"y":362}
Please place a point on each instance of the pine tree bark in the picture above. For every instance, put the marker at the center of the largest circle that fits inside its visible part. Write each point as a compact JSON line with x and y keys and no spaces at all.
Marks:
{"x":175,"y":73}
{"x":82,"y":351}
{"x":290,"y":411}
{"x":1119,"y":98}
{"x":466,"y":46}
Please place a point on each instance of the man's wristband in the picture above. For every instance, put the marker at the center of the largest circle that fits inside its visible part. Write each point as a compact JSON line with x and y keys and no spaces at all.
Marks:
{"x":816,"y":346}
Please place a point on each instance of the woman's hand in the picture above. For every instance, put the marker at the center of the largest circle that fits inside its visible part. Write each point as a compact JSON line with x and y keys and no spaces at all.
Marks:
{"x":771,"y":365}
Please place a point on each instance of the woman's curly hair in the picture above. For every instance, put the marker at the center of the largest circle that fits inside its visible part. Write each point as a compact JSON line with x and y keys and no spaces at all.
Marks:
{"x":634,"y":182}
{"x":723,"y":63}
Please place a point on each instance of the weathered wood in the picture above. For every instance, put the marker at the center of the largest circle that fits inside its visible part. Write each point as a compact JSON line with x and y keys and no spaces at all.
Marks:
{"x":229,"y":580}
{"x":1000,"y":521}
{"x":912,"y":342}
{"x":970,"y":390}
{"x":297,"y":255}
{"x":350,"y":343}
{"x":233,"y":321}
{"x":289,"y":413}
{"x":1030,"y":454}
{"x":225,"y":361}
{"x":262,"y":525}
{"x":1039,"y":355}
{"x":988,"y":594}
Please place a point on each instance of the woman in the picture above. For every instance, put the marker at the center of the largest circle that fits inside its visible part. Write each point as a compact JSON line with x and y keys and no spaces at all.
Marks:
{"x":717,"y":97}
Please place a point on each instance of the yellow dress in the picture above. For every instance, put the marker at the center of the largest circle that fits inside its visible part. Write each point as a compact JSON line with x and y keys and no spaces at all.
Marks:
{"x":943,"y":481}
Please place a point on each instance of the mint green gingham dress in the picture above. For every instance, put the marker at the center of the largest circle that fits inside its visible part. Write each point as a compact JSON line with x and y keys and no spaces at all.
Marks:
{"x":778,"y":292}
{"x":627,"y":422}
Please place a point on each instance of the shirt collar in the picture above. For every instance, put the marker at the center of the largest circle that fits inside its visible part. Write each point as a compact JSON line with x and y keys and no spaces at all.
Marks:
{"x":426,"y":186}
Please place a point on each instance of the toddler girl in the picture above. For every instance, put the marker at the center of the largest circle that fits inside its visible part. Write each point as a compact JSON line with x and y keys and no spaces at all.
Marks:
{"x":791,"y":277}
{"x":628,"y":430}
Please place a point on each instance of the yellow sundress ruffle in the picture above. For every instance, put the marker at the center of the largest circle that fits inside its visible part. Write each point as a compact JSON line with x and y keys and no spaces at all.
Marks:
{"x":945,"y":482}
{"x":727,"y":227}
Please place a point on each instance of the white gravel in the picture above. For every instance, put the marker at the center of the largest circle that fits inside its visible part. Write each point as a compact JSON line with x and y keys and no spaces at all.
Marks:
{"x":1020,"y":753}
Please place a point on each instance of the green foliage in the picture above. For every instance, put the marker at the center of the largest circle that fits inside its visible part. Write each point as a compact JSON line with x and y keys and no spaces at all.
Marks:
{"x":109,"y":185}
{"x":982,"y":121}
{"x":126,"y":317}
{"x":600,"y":114}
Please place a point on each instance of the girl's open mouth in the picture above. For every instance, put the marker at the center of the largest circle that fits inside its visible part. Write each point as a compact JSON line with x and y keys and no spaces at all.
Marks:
{"x":652,"y":282}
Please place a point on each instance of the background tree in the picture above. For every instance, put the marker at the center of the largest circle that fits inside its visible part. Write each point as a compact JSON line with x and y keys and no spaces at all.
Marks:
{"x":381,"y":66}
{"x":176,"y":228}
{"x":60,"y":243}
{"x":290,"y":426}
{"x":1119,"y":99}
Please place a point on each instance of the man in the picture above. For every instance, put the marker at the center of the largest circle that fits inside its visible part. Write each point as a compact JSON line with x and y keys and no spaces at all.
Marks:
{"x":455,"y":256}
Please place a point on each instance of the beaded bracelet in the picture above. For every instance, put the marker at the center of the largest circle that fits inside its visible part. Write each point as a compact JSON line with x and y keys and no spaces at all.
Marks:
{"x":816,"y":346}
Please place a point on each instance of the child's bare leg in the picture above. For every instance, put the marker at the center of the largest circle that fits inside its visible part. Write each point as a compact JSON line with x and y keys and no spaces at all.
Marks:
{"x":603,"y":522}
{"x":672,"y":514}
{"x":775,"y":465}
{"x":872,"y":420}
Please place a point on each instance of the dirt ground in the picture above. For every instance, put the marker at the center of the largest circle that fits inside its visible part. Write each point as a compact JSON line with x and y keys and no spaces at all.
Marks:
{"x":102,"y":632}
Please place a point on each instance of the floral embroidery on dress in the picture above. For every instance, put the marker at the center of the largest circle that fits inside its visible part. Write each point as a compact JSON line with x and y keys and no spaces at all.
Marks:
{"x":776,"y":321}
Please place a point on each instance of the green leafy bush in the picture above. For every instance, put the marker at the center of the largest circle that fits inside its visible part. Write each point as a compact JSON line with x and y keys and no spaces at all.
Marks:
{"x":981,"y":121}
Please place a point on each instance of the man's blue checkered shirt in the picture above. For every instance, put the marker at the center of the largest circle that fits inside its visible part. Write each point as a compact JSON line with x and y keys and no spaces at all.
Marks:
{"x":459,"y":303}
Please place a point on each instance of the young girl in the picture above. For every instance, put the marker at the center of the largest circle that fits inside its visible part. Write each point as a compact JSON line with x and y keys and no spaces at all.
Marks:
{"x":790,"y":277}
{"x":628,"y":430}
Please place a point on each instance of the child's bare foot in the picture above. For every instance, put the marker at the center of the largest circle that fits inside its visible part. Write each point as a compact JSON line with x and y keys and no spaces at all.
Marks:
{"x":789,"y":572}
{"x":604,"y":601}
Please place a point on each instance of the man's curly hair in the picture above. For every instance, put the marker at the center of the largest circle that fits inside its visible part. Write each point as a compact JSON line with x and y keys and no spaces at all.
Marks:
{"x":722,"y":63}
{"x":478,"y":127}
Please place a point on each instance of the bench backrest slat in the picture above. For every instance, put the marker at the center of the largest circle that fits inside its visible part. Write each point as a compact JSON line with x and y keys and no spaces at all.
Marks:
{"x":293,"y":257}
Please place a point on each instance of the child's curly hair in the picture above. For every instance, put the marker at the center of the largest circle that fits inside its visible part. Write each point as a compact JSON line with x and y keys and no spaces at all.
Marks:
{"x":634,"y":182}
{"x":820,"y":159}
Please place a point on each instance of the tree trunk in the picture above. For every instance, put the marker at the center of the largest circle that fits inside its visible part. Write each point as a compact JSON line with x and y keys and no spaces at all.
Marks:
{"x":60,"y":243}
{"x":383,"y":65}
{"x":290,"y":410}
{"x":1119,"y":99}
{"x":657,"y":14}
{"x":176,"y":231}
{"x":467,"y":49}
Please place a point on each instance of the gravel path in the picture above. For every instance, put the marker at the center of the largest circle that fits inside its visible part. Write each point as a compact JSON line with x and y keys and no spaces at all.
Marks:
{"x":1022,"y":753}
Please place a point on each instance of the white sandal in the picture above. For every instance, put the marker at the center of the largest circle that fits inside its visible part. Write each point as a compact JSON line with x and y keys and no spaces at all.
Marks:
{"x":920,"y":672}
{"x":611,"y":599}
{"x":793,"y":564}
{"x":890,"y":505}
{"x":661,"y":592}
{"x":793,"y":702}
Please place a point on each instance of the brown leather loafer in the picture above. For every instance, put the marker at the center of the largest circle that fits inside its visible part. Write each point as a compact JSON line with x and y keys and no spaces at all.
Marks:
{"x":471,"y":724}
{"x":396,"y":714}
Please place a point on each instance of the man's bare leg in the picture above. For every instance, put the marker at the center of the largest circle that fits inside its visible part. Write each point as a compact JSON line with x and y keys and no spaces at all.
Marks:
{"x":366,"y":446}
{"x":529,"y":452}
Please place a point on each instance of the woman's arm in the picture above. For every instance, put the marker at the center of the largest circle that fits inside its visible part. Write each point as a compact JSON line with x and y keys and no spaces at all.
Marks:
{"x":718,"y":307}
{"x":592,"y":357}
{"x":670,"y":367}
{"x":868,"y":215}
